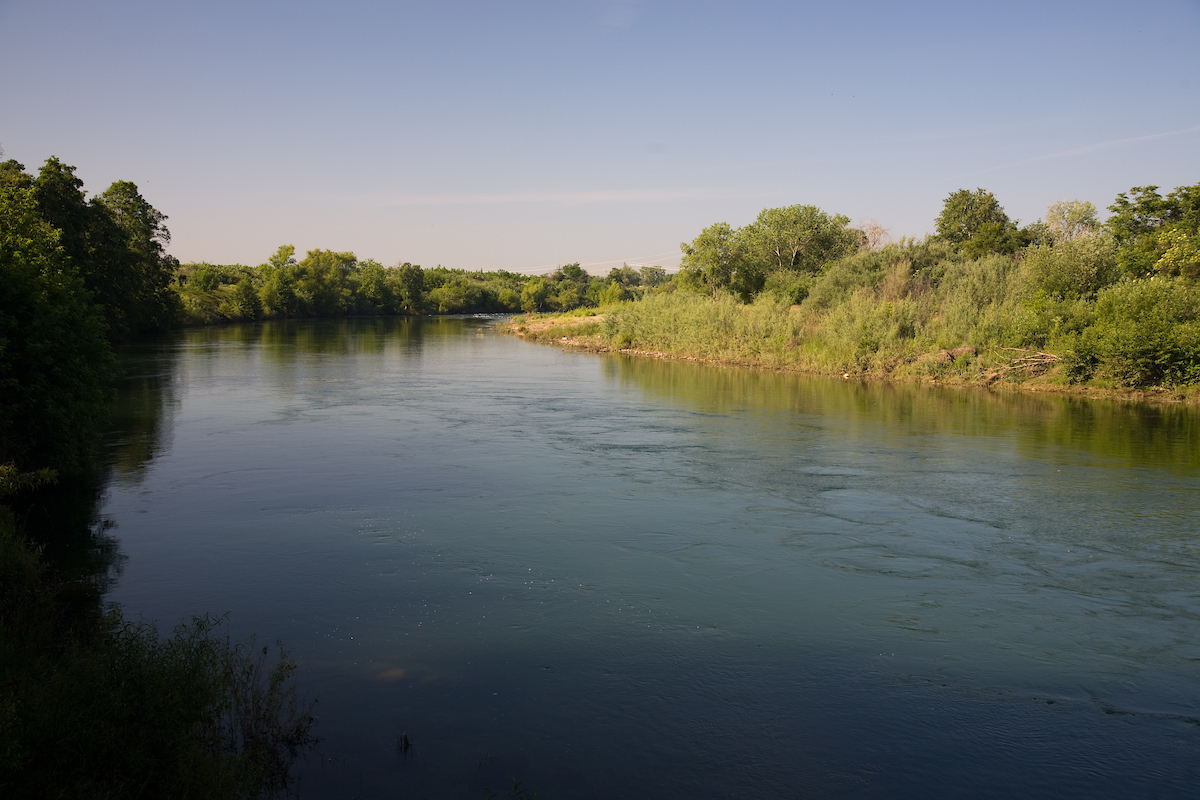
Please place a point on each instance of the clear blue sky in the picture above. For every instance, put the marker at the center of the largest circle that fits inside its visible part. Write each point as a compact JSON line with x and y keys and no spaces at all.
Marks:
{"x":522,"y":135}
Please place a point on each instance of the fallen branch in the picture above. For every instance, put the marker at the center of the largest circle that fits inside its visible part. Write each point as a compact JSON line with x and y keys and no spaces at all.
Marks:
{"x":1033,"y":362}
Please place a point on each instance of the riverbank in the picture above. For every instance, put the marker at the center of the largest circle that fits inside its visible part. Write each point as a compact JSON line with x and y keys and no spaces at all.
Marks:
{"x":771,"y":337}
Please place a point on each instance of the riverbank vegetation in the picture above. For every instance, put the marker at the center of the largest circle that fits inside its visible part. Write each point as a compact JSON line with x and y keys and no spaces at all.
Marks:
{"x":329,"y":284}
{"x":93,"y":704}
{"x":1066,"y":301}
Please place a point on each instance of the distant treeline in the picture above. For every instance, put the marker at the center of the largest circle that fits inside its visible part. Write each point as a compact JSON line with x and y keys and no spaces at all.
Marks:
{"x":1066,"y":299}
{"x":331,"y":284}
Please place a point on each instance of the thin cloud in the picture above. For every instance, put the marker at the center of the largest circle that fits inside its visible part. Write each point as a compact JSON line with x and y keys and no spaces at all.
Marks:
{"x":553,"y":198}
{"x":1091,"y":148}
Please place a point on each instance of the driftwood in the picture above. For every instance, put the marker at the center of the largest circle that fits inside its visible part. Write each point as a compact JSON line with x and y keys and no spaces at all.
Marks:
{"x":1032,"y":362}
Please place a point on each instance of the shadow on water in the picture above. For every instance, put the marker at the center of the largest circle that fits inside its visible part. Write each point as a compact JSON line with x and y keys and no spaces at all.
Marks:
{"x":1122,"y":433}
{"x":64,"y":519}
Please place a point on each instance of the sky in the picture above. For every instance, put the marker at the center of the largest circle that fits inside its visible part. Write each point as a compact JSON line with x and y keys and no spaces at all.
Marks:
{"x":524,"y":135}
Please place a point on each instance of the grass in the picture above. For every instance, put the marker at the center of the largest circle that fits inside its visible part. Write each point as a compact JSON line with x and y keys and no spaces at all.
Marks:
{"x":922,"y":312}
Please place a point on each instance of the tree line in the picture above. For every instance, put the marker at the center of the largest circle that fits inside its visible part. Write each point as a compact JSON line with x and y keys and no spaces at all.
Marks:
{"x":325,"y":283}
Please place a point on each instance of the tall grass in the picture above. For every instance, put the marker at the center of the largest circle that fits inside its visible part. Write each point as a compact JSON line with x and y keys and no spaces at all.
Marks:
{"x":923,"y":310}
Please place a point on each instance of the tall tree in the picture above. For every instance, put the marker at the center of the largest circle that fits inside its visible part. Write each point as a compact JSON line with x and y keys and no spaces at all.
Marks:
{"x":799,"y":238}
{"x":976,"y":222}
{"x":55,"y":362}
{"x":1070,"y":219}
{"x":146,"y":235}
{"x":717,"y":259}
{"x":1156,"y":233}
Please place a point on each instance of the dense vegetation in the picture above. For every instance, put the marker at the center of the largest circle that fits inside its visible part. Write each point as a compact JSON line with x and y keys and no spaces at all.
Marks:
{"x":330,"y":284}
{"x":92,"y":704}
{"x":1067,"y":298}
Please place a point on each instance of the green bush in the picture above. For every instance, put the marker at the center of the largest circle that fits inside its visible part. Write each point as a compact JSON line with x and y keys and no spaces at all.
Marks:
{"x":1072,"y":268}
{"x":1148,"y":332}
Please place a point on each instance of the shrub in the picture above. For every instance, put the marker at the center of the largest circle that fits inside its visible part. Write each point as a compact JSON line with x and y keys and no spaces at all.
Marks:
{"x":1148,"y":332}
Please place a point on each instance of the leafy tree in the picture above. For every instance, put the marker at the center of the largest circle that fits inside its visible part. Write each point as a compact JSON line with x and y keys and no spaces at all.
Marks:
{"x":534,"y":294}
{"x":976,"y":223}
{"x":55,"y":362}
{"x":717,"y":260}
{"x":625,"y":275}
{"x":146,"y":235}
{"x":243,"y":302}
{"x":615,"y":292}
{"x":457,"y":296}
{"x":799,"y":238}
{"x":653,"y":276}
{"x":374,"y":288}
{"x":1072,"y":268}
{"x":571,"y":272}
{"x":1150,"y":228}
{"x":13,"y":175}
{"x":411,"y":281}
{"x":322,"y":286}
{"x":205,"y":277}
{"x":1071,"y":219}
{"x":278,"y":292}
{"x":95,"y":243}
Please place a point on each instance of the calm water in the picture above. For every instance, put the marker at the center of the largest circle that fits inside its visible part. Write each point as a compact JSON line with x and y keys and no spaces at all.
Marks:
{"x":633,"y":578}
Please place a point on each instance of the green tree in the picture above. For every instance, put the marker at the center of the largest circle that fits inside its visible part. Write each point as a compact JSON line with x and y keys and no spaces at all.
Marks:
{"x":1071,"y":219}
{"x":799,"y":238}
{"x":410,"y":279}
{"x":146,"y":235}
{"x":976,"y":223}
{"x":1071,"y":268}
{"x":653,"y":276}
{"x":716,"y":260}
{"x":277,"y":295}
{"x":242,"y":303}
{"x":1149,"y":227}
{"x":55,"y":362}
{"x":534,"y":294}
{"x":92,"y":239}
{"x":374,"y":288}
{"x":625,"y":275}
{"x":322,"y":287}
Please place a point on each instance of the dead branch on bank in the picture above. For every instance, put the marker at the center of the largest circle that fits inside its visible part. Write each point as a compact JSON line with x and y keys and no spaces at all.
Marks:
{"x":1031,"y":362}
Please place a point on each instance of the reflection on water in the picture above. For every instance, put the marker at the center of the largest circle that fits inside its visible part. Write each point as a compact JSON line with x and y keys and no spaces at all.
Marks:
{"x":1125,"y":434}
{"x":613,"y":577}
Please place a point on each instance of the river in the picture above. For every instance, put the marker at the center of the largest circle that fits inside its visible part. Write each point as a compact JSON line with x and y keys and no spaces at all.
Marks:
{"x":611,"y":577}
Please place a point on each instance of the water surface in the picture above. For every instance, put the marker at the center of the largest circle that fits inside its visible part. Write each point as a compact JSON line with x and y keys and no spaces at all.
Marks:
{"x":612,"y":577}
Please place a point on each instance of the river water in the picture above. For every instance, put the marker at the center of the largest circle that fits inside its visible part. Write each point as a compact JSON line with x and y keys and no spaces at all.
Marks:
{"x":611,"y":577}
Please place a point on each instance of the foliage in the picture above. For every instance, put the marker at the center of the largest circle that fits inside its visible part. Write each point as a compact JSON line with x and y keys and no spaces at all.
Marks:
{"x":718,"y":260}
{"x":114,"y":243}
{"x":799,"y":238}
{"x":1157,"y":234}
{"x":1075,"y":266}
{"x":1147,"y":332}
{"x":977,"y":224}
{"x":1068,"y":220}
{"x":941,"y":308}
{"x":55,"y":362}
